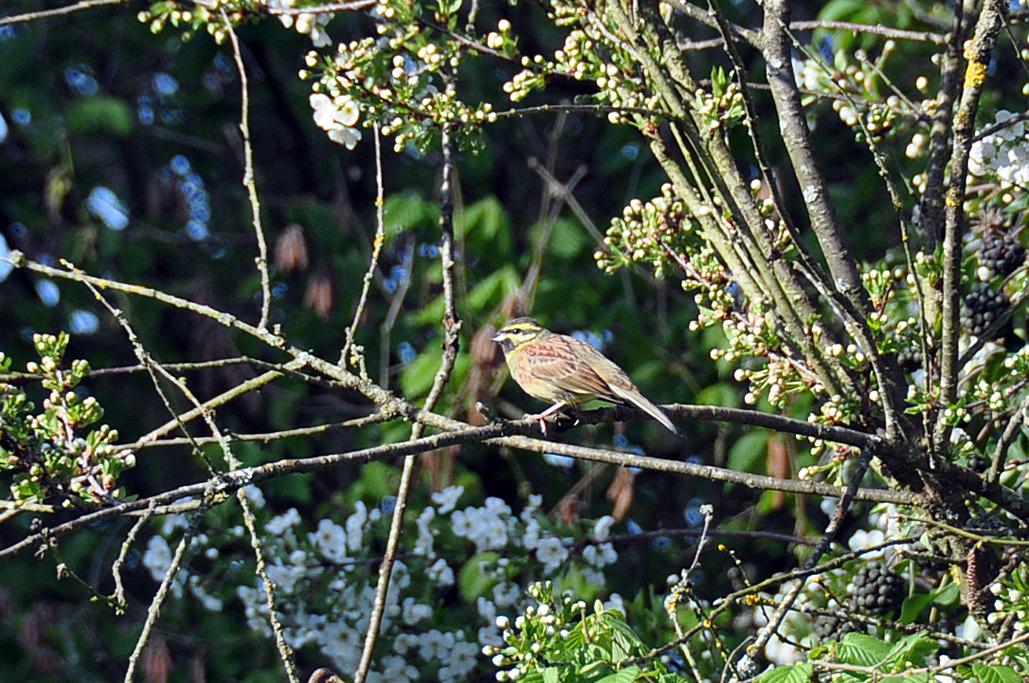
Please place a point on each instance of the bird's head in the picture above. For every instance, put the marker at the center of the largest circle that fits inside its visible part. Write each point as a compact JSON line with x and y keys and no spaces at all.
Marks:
{"x":518,"y":332}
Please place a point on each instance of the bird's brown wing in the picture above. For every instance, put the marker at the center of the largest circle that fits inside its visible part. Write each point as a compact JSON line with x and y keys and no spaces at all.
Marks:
{"x":568,"y":363}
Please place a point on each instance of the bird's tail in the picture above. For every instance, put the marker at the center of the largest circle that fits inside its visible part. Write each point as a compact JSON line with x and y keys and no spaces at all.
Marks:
{"x":640,"y":401}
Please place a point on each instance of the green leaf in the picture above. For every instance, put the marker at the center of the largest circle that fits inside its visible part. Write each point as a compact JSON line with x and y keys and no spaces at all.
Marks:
{"x":948,"y":595}
{"x":404,"y":211}
{"x":626,"y":675}
{"x":996,"y":673}
{"x":913,"y":606}
{"x":472,"y":582}
{"x":492,"y":290}
{"x":551,"y":674}
{"x":907,"y":678}
{"x":568,"y":238}
{"x":721,"y":394}
{"x":861,"y":649}
{"x":798,"y":673}
{"x":100,"y":114}
{"x":485,"y":224}
{"x":914,"y":648}
{"x":748,"y":453}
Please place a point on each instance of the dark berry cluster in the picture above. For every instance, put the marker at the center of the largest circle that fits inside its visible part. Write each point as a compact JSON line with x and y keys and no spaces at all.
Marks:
{"x":832,"y":626}
{"x":877,"y":590}
{"x":1001,"y":254}
{"x":981,"y":308}
{"x":910,"y":358}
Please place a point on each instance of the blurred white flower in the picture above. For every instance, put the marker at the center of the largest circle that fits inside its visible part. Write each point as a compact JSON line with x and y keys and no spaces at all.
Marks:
{"x":413,"y":611}
{"x":331,"y":540}
{"x":602,"y":528}
{"x":506,"y":593}
{"x":435,"y":645}
{"x":284,"y":576}
{"x":424,"y":544}
{"x":615,"y":603}
{"x":355,"y":527}
{"x":396,"y":668}
{"x":862,"y":539}
{"x":600,"y":555}
{"x":341,"y":642}
{"x":254,"y":495}
{"x":462,"y":660}
{"x":446,"y":499}
{"x":157,"y":557}
{"x":441,"y":573}
{"x":277,"y":525}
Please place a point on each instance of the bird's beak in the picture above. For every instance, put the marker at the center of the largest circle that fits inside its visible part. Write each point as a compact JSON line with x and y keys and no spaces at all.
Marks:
{"x":498,"y":337}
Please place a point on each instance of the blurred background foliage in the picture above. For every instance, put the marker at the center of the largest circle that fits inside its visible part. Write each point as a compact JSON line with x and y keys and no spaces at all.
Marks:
{"x":120,"y":151}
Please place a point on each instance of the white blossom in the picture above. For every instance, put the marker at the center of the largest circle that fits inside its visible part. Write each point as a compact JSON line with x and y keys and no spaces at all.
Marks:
{"x":441,"y":573}
{"x":254,"y":495}
{"x":414,"y":612}
{"x":551,"y":552}
{"x":602,"y":528}
{"x":435,"y":645}
{"x":157,"y":558}
{"x":277,"y":525}
{"x":506,"y":593}
{"x":355,"y":527}
{"x":462,"y":660}
{"x":331,"y":540}
{"x":447,"y":498}
{"x":336,"y":116}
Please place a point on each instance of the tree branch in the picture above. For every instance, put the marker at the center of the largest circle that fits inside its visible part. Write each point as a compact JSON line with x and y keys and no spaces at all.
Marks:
{"x":978,"y":54}
{"x":57,"y":11}
{"x":248,"y":173}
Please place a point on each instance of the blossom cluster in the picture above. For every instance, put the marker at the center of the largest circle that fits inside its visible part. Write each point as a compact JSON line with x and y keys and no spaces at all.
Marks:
{"x":325,"y":576}
{"x":57,"y":453}
{"x":1004,"y":154}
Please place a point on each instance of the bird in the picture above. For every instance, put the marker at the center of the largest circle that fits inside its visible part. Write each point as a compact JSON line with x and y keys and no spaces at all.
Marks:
{"x":567,"y":372}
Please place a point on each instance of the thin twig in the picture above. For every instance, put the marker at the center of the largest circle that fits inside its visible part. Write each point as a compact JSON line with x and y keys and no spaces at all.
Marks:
{"x":377,"y":242}
{"x":451,"y":329}
{"x":119,"y":590}
{"x":265,"y":437}
{"x":322,"y":9}
{"x":831,"y":531}
{"x":57,"y":11}
{"x":248,"y":174}
{"x":1007,"y":437}
{"x":498,"y":433}
{"x":162,"y":592}
{"x":1001,"y":495}
{"x":285,"y":652}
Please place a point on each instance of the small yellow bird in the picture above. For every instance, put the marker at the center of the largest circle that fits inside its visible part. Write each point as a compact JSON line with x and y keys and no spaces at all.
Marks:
{"x":567,"y":372}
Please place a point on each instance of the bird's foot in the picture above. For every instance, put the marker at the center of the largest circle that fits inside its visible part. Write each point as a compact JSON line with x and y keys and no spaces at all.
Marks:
{"x":541,"y":418}
{"x":554,"y":418}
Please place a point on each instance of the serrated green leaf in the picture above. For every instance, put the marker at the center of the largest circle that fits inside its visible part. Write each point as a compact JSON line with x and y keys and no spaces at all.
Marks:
{"x":798,"y":673}
{"x":914,"y":648}
{"x":861,"y":649}
{"x":626,"y":675}
{"x":995,"y":673}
